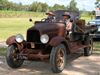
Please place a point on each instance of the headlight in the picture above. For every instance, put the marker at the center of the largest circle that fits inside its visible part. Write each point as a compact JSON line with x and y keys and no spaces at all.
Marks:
{"x":44,"y":38}
{"x":19,"y":38}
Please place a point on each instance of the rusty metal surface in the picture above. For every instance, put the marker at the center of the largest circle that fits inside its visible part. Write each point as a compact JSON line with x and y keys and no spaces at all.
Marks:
{"x":75,"y":46}
{"x":57,"y":40}
{"x":47,"y":27}
{"x":11,"y":40}
{"x":32,"y":54}
{"x":51,"y":29}
{"x":38,"y":56}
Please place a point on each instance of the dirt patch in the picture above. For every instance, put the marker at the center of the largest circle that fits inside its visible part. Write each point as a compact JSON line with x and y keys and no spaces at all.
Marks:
{"x":77,"y":65}
{"x":3,"y":44}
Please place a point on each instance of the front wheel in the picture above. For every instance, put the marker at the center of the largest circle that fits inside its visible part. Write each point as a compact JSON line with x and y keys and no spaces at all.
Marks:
{"x":88,"y":50}
{"x":11,"y":57}
{"x":58,"y":58}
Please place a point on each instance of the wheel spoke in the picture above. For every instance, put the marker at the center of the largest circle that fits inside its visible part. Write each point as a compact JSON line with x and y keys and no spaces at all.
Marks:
{"x":60,"y":58}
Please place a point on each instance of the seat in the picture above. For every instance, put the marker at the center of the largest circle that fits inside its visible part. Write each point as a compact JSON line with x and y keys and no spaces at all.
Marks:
{"x":78,"y":30}
{"x":80,"y":26}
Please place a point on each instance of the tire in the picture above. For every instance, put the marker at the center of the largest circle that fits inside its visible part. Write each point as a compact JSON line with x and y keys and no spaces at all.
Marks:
{"x":11,"y":57}
{"x":88,"y":51}
{"x":58,"y":58}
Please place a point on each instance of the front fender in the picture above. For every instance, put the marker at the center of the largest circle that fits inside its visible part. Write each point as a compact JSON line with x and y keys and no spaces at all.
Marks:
{"x":11,"y":40}
{"x":57,"y":40}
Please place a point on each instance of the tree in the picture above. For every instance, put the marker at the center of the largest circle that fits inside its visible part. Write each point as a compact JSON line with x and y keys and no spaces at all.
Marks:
{"x":45,"y":7}
{"x":39,"y":7}
{"x":58,"y":7}
{"x":2,"y":2}
{"x":33,"y":6}
{"x":73,"y":6}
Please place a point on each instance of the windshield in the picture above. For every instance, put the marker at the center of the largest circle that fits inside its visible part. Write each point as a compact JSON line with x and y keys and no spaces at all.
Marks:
{"x":97,"y":17}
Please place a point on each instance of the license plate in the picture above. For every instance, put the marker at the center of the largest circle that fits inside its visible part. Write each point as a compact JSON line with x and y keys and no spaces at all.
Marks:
{"x":32,"y":45}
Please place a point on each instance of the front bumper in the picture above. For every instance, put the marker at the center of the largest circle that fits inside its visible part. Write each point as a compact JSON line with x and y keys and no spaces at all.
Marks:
{"x":32,"y":51}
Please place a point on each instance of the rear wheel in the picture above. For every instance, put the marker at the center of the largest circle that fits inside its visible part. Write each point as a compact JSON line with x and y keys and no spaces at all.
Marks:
{"x":12,"y":57}
{"x":58,"y":58}
{"x":88,"y":50}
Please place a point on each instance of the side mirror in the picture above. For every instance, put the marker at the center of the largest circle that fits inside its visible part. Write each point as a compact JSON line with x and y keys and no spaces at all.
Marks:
{"x":30,"y":20}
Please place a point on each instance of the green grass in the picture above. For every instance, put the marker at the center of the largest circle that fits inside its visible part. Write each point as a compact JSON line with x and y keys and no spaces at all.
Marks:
{"x":14,"y":22}
{"x":97,"y":45}
{"x":12,"y":26}
{"x":20,"y":14}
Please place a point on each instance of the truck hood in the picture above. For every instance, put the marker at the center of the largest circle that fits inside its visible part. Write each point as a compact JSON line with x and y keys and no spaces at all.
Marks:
{"x":47,"y":27}
{"x":51,"y":29}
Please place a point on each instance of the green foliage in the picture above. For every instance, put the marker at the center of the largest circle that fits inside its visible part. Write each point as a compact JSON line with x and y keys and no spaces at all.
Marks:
{"x":73,"y":6}
{"x":6,"y":5}
{"x":39,"y":7}
{"x":43,"y":7}
{"x":58,"y":7}
{"x":35,"y":6}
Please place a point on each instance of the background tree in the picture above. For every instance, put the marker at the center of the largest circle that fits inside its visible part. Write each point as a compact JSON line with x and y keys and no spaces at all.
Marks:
{"x":73,"y":6}
{"x":2,"y":3}
{"x":35,"y":6}
{"x":58,"y":7}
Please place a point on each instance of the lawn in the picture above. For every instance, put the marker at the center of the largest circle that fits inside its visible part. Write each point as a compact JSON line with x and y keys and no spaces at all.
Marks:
{"x":97,"y":45}
{"x":20,"y":14}
{"x":11,"y":26}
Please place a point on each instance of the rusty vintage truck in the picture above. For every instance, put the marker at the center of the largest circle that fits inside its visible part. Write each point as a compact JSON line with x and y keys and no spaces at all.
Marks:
{"x":48,"y":41}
